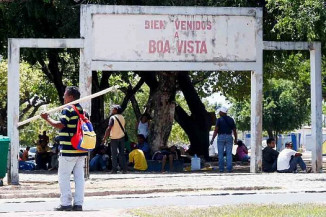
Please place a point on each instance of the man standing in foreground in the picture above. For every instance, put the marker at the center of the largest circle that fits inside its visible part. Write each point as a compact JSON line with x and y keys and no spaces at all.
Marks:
{"x":288,"y":160}
{"x":116,"y":131}
{"x":70,"y":159}
{"x":224,"y":127}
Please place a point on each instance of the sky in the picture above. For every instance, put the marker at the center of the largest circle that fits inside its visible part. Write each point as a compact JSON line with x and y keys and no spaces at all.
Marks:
{"x":217,"y":98}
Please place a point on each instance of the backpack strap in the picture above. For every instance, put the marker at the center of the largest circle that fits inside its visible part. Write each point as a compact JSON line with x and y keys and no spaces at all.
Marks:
{"x":82,"y":116}
{"x":123,"y":129}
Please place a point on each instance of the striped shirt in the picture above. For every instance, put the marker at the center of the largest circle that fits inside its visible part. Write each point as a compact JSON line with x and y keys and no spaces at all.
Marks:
{"x":69,"y":118}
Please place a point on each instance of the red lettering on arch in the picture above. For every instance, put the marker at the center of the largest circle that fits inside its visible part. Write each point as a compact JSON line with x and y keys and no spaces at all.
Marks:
{"x":152,"y":46}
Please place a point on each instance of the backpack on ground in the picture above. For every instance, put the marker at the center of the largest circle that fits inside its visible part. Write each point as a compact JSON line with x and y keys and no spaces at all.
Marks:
{"x":85,"y":138}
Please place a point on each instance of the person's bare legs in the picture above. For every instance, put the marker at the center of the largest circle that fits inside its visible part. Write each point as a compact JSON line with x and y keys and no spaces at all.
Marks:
{"x":171,"y":162}
{"x":163,"y":163}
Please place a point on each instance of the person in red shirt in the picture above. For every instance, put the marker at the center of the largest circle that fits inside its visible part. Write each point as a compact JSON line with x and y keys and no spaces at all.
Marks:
{"x":25,"y":154}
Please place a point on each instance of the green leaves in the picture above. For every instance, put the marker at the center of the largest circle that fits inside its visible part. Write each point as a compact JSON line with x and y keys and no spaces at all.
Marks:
{"x":286,"y":107}
{"x":298,"y":19}
{"x":32,"y":83}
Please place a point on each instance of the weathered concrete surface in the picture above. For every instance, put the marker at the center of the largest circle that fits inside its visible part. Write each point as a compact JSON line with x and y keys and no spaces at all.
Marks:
{"x":121,"y":206}
{"x":113,"y":195}
{"x":43,"y":184}
{"x":104,"y":184}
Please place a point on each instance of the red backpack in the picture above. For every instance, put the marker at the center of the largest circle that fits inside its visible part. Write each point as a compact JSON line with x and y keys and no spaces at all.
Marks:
{"x":85,"y":138}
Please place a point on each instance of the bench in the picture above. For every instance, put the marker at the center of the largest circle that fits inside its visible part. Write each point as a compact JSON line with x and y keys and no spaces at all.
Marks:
{"x":156,"y":166}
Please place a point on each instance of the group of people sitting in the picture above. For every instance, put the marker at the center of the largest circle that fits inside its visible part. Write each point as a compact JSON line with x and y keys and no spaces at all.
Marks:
{"x":46,"y":158}
{"x":137,"y":155}
{"x":285,"y":161}
{"x":128,"y":155}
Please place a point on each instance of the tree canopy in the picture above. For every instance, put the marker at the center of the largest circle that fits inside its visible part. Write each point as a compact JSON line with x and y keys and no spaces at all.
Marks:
{"x":286,"y":74}
{"x":285,"y":107}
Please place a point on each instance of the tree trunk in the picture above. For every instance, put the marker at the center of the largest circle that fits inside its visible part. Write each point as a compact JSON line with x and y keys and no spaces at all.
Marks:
{"x":198,"y":125}
{"x":164,"y":107}
{"x":130,"y":93}
{"x":56,"y":73}
{"x":97,"y":117}
{"x":151,"y":80}
{"x":270,"y":133}
{"x":135,"y":107}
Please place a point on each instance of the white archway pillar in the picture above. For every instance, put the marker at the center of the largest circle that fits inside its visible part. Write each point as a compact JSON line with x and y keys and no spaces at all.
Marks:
{"x":316,"y":93}
{"x":14,"y":46}
{"x":316,"y":106}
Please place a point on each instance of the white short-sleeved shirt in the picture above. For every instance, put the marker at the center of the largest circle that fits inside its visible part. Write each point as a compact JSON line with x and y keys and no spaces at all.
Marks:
{"x":283,"y":160}
{"x":143,"y":128}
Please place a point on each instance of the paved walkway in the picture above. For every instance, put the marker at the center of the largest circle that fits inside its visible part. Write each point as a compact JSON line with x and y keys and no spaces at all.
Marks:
{"x":105,"y":184}
{"x":103,"y":190}
{"x":40,"y":189}
{"x":121,"y":205}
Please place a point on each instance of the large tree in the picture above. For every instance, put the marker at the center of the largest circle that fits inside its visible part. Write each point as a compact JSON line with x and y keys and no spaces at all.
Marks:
{"x":198,"y":124}
{"x":285,"y":108}
{"x":35,"y":92}
{"x":44,"y":19}
{"x":60,"y":19}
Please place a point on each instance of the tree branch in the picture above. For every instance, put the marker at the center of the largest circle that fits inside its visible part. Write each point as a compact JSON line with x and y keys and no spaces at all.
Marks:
{"x":131,"y":92}
{"x":196,"y":106}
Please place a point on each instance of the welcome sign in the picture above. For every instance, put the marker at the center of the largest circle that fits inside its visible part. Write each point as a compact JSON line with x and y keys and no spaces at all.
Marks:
{"x":170,"y":38}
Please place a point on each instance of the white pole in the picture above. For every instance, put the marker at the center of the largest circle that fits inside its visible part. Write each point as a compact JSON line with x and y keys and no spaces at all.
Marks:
{"x":13,"y":110}
{"x":316,"y":107}
{"x":256,"y":119}
{"x":114,"y":88}
{"x":85,"y":62}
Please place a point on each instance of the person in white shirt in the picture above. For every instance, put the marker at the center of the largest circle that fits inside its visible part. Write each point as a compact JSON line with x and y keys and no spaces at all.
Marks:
{"x":142,"y":126}
{"x":288,"y":160}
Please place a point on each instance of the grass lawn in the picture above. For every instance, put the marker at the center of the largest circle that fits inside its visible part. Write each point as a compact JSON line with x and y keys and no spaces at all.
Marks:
{"x":250,"y":210}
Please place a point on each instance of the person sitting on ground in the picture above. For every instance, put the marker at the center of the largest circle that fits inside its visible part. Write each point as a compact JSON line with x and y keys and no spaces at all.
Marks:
{"x":55,"y":154}
{"x":24,"y":164}
{"x":270,"y":156}
{"x":43,"y":138}
{"x":142,"y":125}
{"x":242,"y":152}
{"x":137,"y":159}
{"x":100,"y":161}
{"x":25,"y":154}
{"x":172,"y":154}
{"x":43,"y":155}
{"x":20,"y":154}
{"x":288,"y":160}
{"x":143,"y":145}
